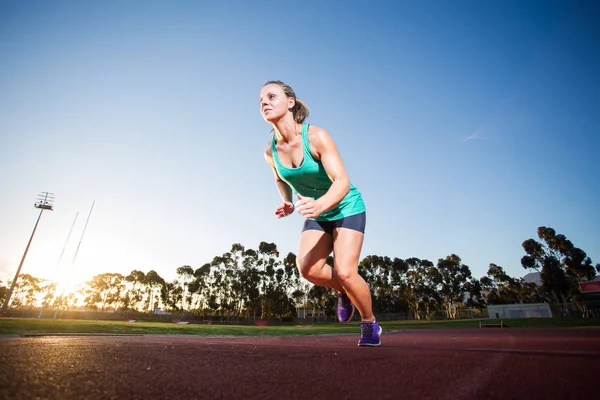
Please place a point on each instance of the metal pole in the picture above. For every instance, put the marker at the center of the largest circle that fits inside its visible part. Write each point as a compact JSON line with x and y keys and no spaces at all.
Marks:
{"x":84,"y":228}
{"x":59,"y":302}
{"x":43,"y":205}
{"x":58,"y":264}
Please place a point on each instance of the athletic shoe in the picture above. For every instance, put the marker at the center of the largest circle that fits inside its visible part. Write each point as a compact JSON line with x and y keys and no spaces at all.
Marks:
{"x":369,"y":334}
{"x":345,"y":308}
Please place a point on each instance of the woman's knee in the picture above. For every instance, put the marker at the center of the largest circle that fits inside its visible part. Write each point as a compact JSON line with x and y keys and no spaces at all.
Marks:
{"x":308,"y":269}
{"x":345,"y":274}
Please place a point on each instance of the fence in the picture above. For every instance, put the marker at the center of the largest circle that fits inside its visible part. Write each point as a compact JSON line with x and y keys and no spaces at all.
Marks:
{"x":565,"y":310}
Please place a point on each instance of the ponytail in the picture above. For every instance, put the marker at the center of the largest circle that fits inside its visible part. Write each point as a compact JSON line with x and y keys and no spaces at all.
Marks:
{"x":300,"y":111}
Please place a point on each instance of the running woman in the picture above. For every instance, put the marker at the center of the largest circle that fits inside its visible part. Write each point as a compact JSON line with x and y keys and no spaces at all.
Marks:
{"x":305,"y":160}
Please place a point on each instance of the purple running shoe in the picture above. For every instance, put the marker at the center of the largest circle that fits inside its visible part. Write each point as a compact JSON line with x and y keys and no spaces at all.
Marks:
{"x":345,"y":308}
{"x":369,"y":334}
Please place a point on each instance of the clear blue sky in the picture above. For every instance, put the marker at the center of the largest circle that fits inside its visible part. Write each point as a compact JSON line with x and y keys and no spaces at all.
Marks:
{"x":465,"y":124}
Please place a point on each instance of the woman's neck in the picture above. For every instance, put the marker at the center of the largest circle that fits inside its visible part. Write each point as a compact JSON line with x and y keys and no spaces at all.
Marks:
{"x":286,"y":129}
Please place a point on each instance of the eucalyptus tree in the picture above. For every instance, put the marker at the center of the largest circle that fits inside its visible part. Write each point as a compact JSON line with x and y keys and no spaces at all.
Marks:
{"x":135,"y":294}
{"x":268,"y":261}
{"x":367,"y":269}
{"x":154,"y":283}
{"x":561,"y":265}
{"x":250,"y":281}
{"x":70,"y":300}
{"x":221,"y":278}
{"x":420,"y":286}
{"x":237,"y":289}
{"x":294,"y":283}
{"x":452,"y":280}
{"x":500,"y":287}
{"x":105,"y":290}
{"x":48,"y":291}
{"x":475,"y":296}
{"x":291,"y":279}
{"x":3,"y":294}
{"x":385,"y":279}
{"x":185,"y":274}
{"x":171,"y":295}
{"x":26,"y":291}
{"x":199,"y":288}
{"x":396,"y":287}
{"x":321,"y":298}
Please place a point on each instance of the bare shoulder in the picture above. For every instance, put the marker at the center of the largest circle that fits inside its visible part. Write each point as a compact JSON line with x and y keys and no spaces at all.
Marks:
{"x":319,"y":138}
{"x":268,"y":150}
{"x":316,"y":132}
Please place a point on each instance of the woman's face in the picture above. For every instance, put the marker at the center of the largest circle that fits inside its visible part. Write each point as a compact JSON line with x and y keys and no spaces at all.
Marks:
{"x":274,"y":104}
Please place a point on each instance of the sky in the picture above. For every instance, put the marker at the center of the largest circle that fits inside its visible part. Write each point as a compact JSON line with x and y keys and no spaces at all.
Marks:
{"x":465,"y":125}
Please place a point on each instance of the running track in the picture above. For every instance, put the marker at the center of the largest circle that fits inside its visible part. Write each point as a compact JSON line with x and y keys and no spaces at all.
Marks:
{"x":492,"y":363}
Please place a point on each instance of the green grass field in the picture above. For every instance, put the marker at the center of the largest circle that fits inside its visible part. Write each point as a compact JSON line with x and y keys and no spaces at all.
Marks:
{"x":25,"y":326}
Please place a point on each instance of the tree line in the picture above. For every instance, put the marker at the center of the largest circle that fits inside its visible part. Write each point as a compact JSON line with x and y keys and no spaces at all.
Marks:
{"x":245,"y":282}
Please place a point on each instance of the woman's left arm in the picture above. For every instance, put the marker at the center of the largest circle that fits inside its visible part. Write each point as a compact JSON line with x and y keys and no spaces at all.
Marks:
{"x":327,"y":152}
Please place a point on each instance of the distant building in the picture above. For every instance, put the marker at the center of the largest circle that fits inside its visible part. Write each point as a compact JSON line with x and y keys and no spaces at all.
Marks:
{"x":591,"y":292}
{"x":158,"y":311}
{"x":533,"y":310}
{"x":305,"y":312}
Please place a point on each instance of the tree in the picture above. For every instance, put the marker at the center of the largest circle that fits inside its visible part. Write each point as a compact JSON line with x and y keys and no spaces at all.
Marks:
{"x":221,"y":277}
{"x":153,"y":282}
{"x":171,"y":294}
{"x":198,"y":287}
{"x":377,"y":272}
{"x":267,"y":259}
{"x":48,"y":292}
{"x":419,"y":291}
{"x":135,"y":282}
{"x":291,"y":280}
{"x":452,"y":280}
{"x":186,"y":274}
{"x":562,"y":266}
{"x":320,"y":298}
{"x":475,"y":297}
{"x":500,"y":288}
{"x":105,"y":290}
{"x":26,"y":291}
{"x":3,"y":294}
{"x":250,"y":279}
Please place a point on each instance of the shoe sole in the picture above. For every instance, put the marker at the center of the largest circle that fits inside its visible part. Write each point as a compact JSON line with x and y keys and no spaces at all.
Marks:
{"x":351,"y":315}
{"x":369,"y":344}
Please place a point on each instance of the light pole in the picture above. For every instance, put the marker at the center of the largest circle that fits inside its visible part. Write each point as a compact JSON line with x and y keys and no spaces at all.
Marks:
{"x":44,"y":202}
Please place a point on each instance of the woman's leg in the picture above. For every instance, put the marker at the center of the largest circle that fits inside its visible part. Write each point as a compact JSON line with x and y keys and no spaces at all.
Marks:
{"x":313,"y":249}
{"x":347,"y":244}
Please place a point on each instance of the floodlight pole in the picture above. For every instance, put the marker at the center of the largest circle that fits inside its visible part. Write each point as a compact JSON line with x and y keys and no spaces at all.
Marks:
{"x":44,"y":202}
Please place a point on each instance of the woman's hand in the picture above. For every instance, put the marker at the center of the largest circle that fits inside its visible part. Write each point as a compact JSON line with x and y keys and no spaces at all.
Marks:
{"x":308,"y":207}
{"x":284,"y":210}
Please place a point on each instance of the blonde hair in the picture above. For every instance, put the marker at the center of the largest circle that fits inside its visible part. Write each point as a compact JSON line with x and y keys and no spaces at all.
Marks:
{"x":300,"y":109}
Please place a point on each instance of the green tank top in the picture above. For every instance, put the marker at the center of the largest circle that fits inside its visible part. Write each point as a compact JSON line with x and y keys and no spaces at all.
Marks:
{"x":311,"y":180}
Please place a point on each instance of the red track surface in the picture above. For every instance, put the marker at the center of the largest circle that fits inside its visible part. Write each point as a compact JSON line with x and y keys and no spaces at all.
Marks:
{"x":453,"y":364}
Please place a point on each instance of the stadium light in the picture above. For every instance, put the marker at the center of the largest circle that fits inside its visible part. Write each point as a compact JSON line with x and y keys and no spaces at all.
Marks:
{"x":44,"y":202}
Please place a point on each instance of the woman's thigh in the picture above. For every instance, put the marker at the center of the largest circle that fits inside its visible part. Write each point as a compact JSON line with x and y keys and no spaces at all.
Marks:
{"x":313,"y":249}
{"x":347,"y":245}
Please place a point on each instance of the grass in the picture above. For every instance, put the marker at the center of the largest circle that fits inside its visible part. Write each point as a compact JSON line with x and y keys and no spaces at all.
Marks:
{"x":24,"y":326}
{"x":40,"y":326}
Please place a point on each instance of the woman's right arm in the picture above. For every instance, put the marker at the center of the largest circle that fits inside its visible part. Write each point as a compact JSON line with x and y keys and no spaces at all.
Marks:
{"x":285,"y":191}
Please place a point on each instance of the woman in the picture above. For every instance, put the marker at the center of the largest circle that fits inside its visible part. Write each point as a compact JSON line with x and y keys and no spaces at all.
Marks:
{"x":305,"y":160}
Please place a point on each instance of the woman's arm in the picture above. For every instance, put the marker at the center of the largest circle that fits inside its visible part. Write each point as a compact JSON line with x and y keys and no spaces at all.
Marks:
{"x":325,"y":149}
{"x":285,"y":191}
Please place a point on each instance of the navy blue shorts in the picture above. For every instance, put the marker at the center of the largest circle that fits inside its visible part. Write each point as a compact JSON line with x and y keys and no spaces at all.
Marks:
{"x":356,"y":222}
